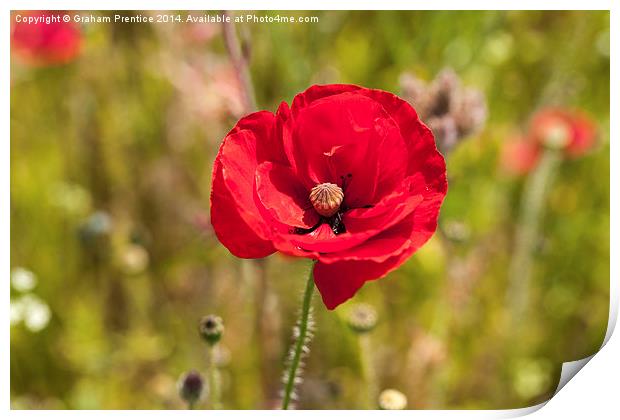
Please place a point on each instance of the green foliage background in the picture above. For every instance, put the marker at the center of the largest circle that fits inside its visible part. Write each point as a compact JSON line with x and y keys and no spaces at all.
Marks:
{"x":121,"y":130}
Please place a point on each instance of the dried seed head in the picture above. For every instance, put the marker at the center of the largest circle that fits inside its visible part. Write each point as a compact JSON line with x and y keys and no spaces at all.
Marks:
{"x":326,"y":198}
{"x":211,"y":329}
{"x":470,"y":111}
{"x":445,"y":130}
{"x":391,"y":399}
{"x":190,"y":386}
{"x":452,"y":111}
{"x":362,"y":318}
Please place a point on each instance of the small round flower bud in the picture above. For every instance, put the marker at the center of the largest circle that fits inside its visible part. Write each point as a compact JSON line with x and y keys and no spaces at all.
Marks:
{"x":362,"y":318}
{"x":326,"y":198}
{"x":391,"y":399}
{"x":211,"y":329}
{"x":191,"y":387}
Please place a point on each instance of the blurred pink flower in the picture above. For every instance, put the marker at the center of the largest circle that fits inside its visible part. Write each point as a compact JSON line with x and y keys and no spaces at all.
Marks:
{"x":210,"y":89}
{"x":200,"y":33}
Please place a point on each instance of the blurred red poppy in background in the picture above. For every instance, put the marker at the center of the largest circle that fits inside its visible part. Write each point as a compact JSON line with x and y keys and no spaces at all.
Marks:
{"x":47,"y":42}
{"x":571,"y":132}
{"x":347,"y":176}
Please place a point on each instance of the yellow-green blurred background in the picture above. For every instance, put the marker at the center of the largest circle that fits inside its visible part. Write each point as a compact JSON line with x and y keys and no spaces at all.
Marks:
{"x":114,"y":261}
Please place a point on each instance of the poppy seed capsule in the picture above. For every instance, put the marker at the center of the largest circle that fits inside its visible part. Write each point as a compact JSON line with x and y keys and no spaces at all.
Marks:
{"x":211,"y":329}
{"x":326,"y":199}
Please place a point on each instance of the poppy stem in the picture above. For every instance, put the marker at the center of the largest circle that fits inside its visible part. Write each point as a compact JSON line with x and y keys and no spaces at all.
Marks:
{"x":239,"y":61}
{"x":520,"y":269}
{"x":302,"y":336}
{"x":214,"y":379}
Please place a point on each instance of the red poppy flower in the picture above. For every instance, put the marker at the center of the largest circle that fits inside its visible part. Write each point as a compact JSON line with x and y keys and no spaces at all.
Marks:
{"x":571,"y":131}
{"x":347,"y":176}
{"x":43,"y":44}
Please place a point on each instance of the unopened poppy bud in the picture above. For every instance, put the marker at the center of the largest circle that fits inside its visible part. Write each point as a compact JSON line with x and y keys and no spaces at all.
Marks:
{"x":191,"y":386}
{"x":362,"y":318}
{"x":326,"y":198}
{"x":211,"y":329}
{"x":391,"y":399}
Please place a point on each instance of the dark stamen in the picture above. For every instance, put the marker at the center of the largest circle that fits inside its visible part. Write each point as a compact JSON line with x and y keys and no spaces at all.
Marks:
{"x":335,"y":222}
{"x":343,"y":179}
{"x":303,"y":231}
{"x":337,"y":225}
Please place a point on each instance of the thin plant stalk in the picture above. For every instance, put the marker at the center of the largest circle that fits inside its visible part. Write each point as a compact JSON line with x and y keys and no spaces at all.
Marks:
{"x":534,"y":192}
{"x":255,"y":271}
{"x":215,"y":381}
{"x":520,"y":269}
{"x":300,"y":346}
{"x":267,"y":326}
{"x":368,"y":371}
{"x":239,"y":62}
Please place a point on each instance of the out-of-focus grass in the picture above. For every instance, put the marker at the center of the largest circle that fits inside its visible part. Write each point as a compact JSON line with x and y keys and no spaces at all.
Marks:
{"x":131,"y":129}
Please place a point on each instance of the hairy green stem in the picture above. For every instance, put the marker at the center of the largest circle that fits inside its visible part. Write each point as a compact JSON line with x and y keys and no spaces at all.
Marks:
{"x":520,"y":269}
{"x":214,"y":380}
{"x":300,"y":341}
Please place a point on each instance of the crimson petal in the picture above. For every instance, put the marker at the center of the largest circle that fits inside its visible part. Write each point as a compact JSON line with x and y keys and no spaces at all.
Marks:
{"x":423,"y":154}
{"x":335,"y":130}
{"x":230,"y":228}
{"x":236,"y":219}
{"x":339,"y":281}
{"x":283,"y":196}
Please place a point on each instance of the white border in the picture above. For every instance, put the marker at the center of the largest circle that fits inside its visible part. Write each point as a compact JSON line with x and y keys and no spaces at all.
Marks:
{"x":310,"y":5}
{"x":595,"y":392}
